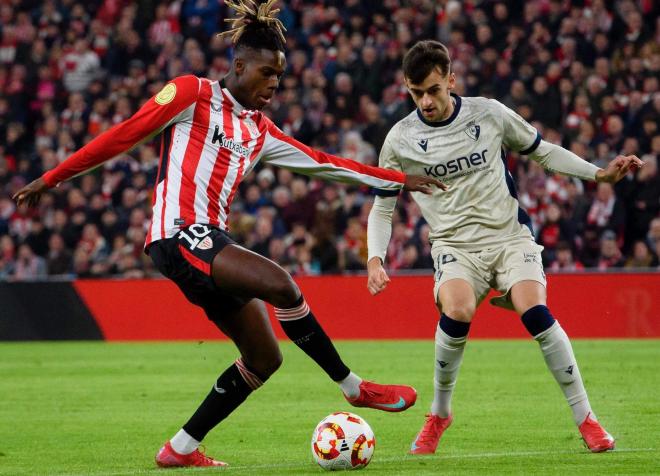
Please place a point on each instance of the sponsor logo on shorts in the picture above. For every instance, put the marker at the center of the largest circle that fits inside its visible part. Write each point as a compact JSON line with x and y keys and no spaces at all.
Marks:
{"x":448,"y":258}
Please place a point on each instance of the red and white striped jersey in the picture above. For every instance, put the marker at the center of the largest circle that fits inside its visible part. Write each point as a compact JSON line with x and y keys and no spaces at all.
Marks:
{"x":209,"y":143}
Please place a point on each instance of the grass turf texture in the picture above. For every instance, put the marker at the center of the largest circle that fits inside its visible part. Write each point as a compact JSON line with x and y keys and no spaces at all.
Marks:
{"x":104,"y":409}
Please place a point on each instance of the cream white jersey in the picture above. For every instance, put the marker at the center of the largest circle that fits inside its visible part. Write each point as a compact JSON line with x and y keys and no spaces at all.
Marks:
{"x":466,"y":151}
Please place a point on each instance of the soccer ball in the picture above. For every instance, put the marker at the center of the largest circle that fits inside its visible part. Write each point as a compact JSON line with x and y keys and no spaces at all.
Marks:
{"x":343,"y":440}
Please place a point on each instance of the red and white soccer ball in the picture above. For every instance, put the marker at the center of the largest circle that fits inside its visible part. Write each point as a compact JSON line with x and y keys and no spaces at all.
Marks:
{"x":343,"y":440}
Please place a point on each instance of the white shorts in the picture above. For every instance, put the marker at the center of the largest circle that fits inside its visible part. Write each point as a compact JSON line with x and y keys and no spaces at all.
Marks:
{"x":497,"y":268}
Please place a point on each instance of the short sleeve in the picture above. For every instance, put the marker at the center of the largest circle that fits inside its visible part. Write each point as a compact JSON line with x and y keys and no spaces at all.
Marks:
{"x":518,"y":134}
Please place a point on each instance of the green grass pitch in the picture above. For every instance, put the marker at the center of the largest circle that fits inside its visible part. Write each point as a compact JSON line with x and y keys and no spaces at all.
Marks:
{"x":104,"y":409}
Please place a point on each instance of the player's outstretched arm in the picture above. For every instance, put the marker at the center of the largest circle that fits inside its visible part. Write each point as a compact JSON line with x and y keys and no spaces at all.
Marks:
{"x":177,"y":97}
{"x":286,"y":152}
{"x":618,"y":168}
{"x":521,"y":136}
{"x":556,"y":158}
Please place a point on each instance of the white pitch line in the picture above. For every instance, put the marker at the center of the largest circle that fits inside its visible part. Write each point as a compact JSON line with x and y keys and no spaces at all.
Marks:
{"x":440,"y":457}
{"x":310,"y":466}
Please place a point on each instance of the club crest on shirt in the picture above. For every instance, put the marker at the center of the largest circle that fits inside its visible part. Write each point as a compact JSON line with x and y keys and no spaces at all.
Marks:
{"x":473,"y":130}
{"x":423,"y":143}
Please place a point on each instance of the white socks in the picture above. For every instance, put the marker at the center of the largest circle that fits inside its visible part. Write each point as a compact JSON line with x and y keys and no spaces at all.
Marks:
{"x":351,"y":385}
{"x":183,"y":443}
{"x":448,"y":358}
{"x":559,"y":358}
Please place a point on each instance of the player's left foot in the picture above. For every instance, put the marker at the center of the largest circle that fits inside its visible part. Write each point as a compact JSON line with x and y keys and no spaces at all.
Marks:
{"x":427,"y":439}
{"x":168,"y":458}
{"x":389,"y":398}
{"x":595,"y":436}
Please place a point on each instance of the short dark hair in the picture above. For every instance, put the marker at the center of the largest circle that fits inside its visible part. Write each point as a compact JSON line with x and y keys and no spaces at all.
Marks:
{"x":255,"y":25}
{"x":423,"y":58}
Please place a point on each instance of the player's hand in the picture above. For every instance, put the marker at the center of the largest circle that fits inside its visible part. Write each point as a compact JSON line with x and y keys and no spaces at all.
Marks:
{"x":618,"y":168}
{"x":31,"y":193}
{"x":378,"y":278}
{"x":419,"y":183}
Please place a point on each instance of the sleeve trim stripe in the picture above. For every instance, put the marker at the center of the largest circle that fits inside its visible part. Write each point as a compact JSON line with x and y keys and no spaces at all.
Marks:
{"x":385,"y":193}
{"x":532,"y":147}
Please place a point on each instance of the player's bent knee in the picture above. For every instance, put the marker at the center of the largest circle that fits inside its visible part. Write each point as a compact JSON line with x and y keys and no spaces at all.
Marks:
{"x":284,"y":292}
{"x":461,"y":313}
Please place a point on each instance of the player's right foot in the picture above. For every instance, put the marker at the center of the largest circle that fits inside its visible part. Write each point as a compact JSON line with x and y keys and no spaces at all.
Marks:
{"x":595,"y":436}
{"x":168,"y":458}
{"x":427,"y":439}
{"x":389,"y":398}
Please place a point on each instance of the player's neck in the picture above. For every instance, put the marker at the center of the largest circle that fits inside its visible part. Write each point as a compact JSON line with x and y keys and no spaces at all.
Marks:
{"x":230,"y":82}
{"x":449,"y":110}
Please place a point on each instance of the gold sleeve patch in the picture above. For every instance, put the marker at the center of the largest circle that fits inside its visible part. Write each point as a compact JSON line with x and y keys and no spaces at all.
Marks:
{"x":166,"y":94}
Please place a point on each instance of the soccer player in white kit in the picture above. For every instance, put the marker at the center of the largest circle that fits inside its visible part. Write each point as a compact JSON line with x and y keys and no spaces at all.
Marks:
{"x":481,"y":238}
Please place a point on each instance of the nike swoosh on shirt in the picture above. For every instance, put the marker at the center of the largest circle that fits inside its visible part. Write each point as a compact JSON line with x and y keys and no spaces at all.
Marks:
{"x":400,"y":404}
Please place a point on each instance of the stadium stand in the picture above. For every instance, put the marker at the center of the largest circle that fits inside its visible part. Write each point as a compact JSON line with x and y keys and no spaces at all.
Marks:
{"x":584,"y":73}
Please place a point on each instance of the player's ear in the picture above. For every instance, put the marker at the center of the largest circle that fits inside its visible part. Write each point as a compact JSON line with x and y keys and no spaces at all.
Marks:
{"x":452,"y":81}
{"x":239,"y":66}
{"x":407,"y":83}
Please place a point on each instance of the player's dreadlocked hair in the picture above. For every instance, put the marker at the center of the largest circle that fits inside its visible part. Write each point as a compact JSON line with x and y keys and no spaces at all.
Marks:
{"x":423,"y":58}
{"x":255,"y":25}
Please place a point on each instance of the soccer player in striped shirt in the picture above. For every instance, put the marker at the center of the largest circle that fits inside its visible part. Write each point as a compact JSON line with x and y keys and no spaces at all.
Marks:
{"x":212,"y":136}
{"x":481,"y":238}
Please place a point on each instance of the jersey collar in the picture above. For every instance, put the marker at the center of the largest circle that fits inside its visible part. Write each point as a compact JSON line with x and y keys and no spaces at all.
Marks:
{"x":449,"y":120}
{"x":237,"y":107}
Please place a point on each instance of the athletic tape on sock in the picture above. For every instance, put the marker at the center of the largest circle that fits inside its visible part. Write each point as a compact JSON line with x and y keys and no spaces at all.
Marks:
{"x":250,"y":378}
{"x":292,"y":314}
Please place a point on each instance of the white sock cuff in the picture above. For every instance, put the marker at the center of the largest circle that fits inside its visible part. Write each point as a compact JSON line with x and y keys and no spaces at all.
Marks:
{"x":183,"y":443}
{"x":442,"y":338}
{"x":351,"y":385}
{"x":542,"y":335}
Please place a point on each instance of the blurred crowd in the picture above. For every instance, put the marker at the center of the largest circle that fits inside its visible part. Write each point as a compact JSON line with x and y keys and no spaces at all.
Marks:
{"x":585,"y":73}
